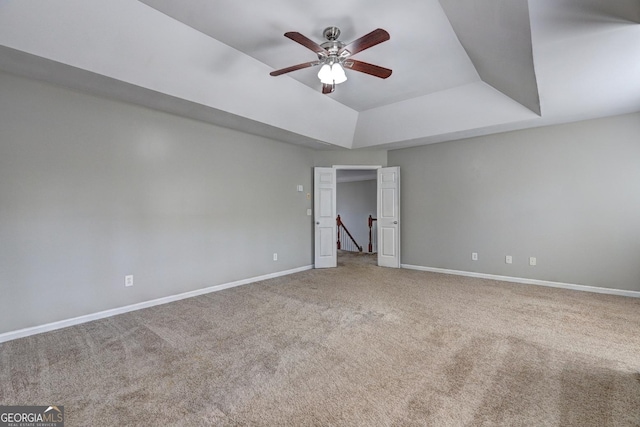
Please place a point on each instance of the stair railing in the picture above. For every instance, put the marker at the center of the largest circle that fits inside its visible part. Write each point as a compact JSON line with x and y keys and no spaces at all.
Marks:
{"x":343,"y":233}
{"x":372,"y":236}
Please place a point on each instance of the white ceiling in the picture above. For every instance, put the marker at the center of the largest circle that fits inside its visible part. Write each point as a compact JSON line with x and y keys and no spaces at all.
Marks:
{"x":460,"y":67}
{"x":423,"y":52}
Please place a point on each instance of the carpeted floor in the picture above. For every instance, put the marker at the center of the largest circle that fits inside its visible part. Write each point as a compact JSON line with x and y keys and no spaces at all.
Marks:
{"x":357,"y":345}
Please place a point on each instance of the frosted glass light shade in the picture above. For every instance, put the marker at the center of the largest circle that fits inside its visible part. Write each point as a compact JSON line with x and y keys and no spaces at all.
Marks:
{"x":330,"y":74}
{"x":325,"y":75}
{"x":338,"y":73}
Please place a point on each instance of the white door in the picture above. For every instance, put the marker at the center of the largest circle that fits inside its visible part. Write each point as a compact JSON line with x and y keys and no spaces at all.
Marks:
{"x":324,"y":208}
{"x":389,"y":217}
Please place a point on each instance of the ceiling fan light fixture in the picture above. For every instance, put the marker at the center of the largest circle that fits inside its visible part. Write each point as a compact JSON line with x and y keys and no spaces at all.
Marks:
{"x":339,"y":76}
{"x":325,"y":74}
{"x":332,"y":74}
{"x":334,"y":54}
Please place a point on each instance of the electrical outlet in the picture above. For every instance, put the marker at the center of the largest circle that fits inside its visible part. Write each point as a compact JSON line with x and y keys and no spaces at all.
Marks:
{"x":508,"y":259}
{"x":474,"y":256}
{"x":275,"y":256}
{"x":533,"y":261}
{"x":128,"y":280}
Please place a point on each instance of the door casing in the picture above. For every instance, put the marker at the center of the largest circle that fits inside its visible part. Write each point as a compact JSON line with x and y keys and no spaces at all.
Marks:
{"x":325,"y":206}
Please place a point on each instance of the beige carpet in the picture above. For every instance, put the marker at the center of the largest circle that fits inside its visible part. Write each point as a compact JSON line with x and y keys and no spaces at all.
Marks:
{"x":356,"y":346}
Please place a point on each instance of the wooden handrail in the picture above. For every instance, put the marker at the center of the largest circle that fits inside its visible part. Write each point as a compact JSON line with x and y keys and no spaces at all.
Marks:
{"x":341,"y":224}
{"x":371,"y":219}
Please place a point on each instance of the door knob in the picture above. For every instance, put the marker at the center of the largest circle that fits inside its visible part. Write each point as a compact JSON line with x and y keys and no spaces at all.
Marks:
{"x":318,"y":223}
{"x":395,"y":222}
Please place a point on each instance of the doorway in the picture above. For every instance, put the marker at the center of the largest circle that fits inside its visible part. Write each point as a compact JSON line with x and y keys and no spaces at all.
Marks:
{"x":356,"y":202}
{"x":387,"y":213}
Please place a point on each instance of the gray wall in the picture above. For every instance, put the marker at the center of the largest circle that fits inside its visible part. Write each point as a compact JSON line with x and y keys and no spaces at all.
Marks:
{"x":355,"y":202}
{"x":92,"y":189}
{"x":328,"y":158}
{"x":568,"y":195}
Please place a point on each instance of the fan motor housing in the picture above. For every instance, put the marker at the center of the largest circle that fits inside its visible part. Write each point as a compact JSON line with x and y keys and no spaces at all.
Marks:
{"x":333,"y":45}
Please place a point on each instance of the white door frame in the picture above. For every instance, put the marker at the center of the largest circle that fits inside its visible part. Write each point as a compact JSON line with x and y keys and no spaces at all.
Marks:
{"x":356,"y":167}
{"x":361,"y":167}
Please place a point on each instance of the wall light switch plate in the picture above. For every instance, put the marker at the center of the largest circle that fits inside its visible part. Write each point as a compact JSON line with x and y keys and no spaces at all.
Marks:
{"x":308,"y":212}
{"x":508,"y":259}
{"x":300,"y":188}
{"x":474,"y":256}
{"x":128,"y":280}
{"x":533,"y":261}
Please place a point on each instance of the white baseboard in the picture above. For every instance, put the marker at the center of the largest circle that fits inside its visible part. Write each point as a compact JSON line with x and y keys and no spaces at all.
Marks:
{"x":621,"y":292}
{"x":8,"y":336}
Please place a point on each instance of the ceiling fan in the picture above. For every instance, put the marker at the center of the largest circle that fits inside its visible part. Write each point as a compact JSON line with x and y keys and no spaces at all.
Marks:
{"x":334,"y":56}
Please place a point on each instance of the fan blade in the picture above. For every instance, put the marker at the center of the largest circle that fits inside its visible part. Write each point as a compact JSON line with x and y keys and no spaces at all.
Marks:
{"x":328,"y":88}
{"x":365,"y":67}
{"x":294,"y":68}
{"x":365,"y":42}
{"x":306,"y":42}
